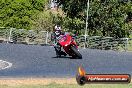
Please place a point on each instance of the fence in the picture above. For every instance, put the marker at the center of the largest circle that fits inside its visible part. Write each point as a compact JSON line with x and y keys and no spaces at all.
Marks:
{"x":105,"y":43}
{"x":22,"y":36}
{"x":12,"y":35}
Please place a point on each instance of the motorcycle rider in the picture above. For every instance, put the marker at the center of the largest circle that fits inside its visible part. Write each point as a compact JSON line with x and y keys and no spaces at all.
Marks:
{"x":57,"y":35}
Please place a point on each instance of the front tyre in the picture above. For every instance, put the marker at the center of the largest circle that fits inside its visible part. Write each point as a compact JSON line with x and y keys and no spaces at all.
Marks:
{"x":76,"y":53}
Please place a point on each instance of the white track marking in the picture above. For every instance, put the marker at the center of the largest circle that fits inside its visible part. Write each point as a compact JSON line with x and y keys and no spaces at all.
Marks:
{"x":2,"y":63}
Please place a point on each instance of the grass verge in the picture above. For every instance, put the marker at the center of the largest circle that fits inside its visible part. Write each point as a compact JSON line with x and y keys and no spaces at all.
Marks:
{"x":54,"y":85}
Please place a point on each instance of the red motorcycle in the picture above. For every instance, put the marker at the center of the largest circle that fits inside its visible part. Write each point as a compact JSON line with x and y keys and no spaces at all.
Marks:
{"x":70,"y":47}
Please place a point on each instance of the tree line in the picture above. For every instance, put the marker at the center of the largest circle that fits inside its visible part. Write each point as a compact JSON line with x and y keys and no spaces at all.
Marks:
{"x":106,"y":17}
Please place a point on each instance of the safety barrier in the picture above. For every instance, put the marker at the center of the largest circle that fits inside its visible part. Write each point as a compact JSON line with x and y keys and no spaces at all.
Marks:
{"x":22,"y":36}
{"x":105,"y":43}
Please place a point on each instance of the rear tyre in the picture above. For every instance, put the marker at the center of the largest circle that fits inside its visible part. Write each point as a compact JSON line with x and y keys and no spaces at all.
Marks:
{"x":76,"y":52}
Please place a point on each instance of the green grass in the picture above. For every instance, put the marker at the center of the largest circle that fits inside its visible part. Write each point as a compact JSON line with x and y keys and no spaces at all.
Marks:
{"x":129,"y":46}
{"x":53,"y":85}
{"x":130,"y":36}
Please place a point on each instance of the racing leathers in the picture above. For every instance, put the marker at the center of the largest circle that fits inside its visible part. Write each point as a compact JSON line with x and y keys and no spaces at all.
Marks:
{"x":57,"y":46}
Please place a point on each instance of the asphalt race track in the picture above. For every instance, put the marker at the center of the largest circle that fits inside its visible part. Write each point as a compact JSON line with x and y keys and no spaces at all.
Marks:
{"x":40,"y":61}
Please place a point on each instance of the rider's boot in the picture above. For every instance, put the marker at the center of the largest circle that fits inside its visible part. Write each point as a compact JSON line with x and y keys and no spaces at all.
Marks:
{"x":63,"y":53}
{"x":58,"y":51}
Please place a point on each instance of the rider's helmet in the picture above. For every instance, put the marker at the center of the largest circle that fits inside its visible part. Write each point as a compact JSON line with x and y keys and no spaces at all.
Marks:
{"x":57,"y":30}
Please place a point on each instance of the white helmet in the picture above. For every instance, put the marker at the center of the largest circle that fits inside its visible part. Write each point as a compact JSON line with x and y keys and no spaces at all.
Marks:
{"x":57,"y":28}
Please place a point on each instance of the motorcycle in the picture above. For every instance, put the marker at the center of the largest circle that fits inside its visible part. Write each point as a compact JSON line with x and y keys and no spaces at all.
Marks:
{"x":69,"y":46}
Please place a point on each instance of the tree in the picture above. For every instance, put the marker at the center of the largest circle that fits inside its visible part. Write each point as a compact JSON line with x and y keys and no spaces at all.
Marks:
{"x":73,"y":10}
{"x":106,"y":17}
{"x":19,"y":13}
{"x":43,"y":21}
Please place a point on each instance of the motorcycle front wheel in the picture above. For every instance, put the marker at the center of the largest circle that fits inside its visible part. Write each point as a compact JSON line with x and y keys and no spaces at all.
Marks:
{"x":76,"y":52}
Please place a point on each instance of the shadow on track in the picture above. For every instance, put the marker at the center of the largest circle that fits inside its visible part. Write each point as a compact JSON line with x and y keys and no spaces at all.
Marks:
{"x":66,"y":57}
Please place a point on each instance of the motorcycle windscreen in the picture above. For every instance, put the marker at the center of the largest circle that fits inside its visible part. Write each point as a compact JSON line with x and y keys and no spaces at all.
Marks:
{"x":65,"y":40}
